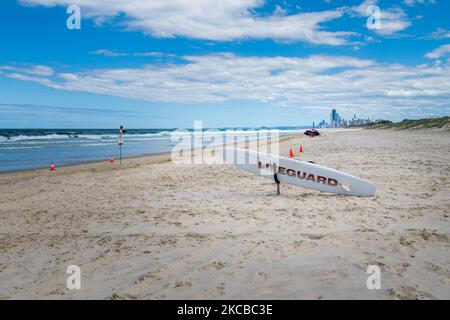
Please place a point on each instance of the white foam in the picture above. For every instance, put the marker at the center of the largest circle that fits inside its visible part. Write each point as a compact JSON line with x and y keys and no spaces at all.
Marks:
{"x":46,"y":137}
{"x":93,"y":136}
{"x":20,"y":148}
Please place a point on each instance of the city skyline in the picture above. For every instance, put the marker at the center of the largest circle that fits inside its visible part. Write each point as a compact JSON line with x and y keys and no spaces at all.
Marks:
{"x":336,"y":120}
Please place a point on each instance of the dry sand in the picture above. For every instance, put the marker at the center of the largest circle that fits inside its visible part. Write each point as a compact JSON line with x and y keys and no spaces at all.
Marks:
{"x":154,"y":230}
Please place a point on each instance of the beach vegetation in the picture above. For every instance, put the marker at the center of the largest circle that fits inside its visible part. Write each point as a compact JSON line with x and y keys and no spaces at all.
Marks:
{"x":431,"y":123}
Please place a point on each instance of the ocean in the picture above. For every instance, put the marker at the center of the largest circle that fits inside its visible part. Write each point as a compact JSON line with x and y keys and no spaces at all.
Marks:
{"x":22,"y":149}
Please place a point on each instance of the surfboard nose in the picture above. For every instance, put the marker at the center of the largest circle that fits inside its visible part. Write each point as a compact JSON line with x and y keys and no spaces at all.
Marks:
{"x":368,"y":190}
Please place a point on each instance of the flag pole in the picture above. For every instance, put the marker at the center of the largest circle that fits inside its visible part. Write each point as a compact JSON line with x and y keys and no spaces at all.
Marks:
{"x":120,"y":143}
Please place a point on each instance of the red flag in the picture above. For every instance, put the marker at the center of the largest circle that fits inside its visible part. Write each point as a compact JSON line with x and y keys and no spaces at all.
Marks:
{"x":291,"y":153}
{"x":301,"y":148}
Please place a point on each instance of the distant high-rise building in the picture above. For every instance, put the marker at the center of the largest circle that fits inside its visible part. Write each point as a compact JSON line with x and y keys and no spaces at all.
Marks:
{"x":333,"y":118}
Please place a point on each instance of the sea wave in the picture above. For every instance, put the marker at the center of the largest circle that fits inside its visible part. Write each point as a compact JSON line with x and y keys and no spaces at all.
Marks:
{"x":95,"y":136}
{"x":74,"y":136}
{"x":44,"y":137}
{"x":20,"y":147}
{"x":94,"y":144}
{"x":56,"y":136}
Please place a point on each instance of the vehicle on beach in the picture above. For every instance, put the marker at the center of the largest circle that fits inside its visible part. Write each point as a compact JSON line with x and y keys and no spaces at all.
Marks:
{"x":312,"y":133}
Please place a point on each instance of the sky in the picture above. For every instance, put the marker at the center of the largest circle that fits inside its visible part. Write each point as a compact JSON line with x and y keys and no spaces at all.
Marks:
{"x":229,"y":63}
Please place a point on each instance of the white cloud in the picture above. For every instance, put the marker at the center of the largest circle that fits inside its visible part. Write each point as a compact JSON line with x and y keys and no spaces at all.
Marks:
{"x":439,"y":52}
{"x":412,"y":3}
{"x":108,"y":53}
{"x":361,"y":9}
{"x":211,"y":19}
{"x":310,"y":82}
{"x":393,"y":20}
{"x":36,"y":70}
{"x":114,"y":53}
{"x":439,"y":34}
{"x":40,"y":80}
{"x":153,"y":54}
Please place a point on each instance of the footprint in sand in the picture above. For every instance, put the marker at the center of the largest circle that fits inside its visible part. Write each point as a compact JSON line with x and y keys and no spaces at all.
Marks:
{"x":56,"y":292}
{"x":315,"y":236}
{"x":398,"y":268}
{"x":409,"y":293}
{"x":330,"y":277}
{"x":434,"y":268}
{"x":259,"y":277}
{"x":221,"y":289}
{"x":218,"y":265}
{"x":154,"y":276}
{"x":123,"y":296}
{"x":182,"y":284}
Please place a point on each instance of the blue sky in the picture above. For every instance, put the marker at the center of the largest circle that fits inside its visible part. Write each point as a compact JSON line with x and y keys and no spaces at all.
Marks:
{"x":240,"y":63}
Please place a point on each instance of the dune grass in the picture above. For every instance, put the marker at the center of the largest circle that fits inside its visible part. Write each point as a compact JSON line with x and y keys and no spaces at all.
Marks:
{"x":432,"y":123}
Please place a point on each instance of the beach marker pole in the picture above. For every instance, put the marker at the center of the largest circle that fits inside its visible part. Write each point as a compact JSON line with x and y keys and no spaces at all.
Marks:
{"x":120,"y":143}
{"x":52,"y":166}
{"x":275,"y":177}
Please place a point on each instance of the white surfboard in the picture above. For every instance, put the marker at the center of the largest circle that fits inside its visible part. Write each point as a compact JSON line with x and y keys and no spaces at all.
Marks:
{"x":300,"y":173}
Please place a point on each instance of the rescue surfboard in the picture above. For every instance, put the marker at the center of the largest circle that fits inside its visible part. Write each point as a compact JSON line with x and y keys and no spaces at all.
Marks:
{"x":301,"y":173}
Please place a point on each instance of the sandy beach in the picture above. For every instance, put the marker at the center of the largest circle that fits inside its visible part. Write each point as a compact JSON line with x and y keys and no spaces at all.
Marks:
{"x":151,"y":229}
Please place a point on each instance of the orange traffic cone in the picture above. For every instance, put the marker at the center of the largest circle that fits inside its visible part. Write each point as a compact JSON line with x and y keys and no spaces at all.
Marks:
{"x":291,"y":153}
{"x":52,"y":166}
{"x":111,"y":159}
{"x":301,"y":149}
